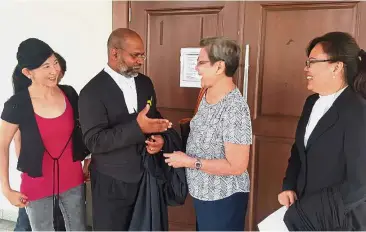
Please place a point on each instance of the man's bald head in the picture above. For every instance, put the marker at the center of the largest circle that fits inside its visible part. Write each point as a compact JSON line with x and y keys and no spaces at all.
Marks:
{"x":121,"y":36}
{"x":126,"y":52}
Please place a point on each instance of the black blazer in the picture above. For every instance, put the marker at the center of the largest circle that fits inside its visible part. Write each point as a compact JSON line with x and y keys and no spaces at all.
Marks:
{"x":335,"y":154}
{"x":112,"y":134}
{"x":19,"y":110}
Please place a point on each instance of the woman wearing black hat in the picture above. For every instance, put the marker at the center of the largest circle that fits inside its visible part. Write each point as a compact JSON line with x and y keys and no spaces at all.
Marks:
{"x":22,"y":223}
{"x":51,"y":145}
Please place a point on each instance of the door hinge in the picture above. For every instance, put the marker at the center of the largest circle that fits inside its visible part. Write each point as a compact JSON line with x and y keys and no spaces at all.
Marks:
{"x":129,"y":14}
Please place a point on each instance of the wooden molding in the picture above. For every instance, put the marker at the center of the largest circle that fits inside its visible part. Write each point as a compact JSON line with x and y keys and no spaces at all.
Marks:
{"x":120,"y":14}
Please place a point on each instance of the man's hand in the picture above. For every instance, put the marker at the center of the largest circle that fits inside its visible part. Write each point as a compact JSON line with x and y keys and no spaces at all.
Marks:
{"x":154,"y":144}
{"x":86,"y":170}
{"x":287,"y":198}
{"x":149,"y":125}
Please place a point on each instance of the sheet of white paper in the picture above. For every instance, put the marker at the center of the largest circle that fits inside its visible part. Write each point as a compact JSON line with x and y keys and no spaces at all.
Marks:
{"x":188,"y":75}
{"x":274,"y":222}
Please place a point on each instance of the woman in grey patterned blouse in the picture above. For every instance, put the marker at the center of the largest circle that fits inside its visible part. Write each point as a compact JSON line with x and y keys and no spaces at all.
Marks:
{"x":218,"y":144}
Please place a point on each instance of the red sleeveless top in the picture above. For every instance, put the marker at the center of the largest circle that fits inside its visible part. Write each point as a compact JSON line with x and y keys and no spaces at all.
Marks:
{"x":60,"y":172}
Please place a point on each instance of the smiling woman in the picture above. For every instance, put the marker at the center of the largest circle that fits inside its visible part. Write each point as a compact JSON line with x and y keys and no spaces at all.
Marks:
{"x":22,"y":222}
{"x":217,"y":153}
{"x":329,"y":154}
{"x":51,"y":146}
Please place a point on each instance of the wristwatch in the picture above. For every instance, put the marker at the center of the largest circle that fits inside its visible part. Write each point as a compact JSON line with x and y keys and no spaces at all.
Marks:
{"x":198,"y":164}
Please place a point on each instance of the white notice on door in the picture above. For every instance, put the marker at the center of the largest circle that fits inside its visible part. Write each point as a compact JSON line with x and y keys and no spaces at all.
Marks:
{"x":274,"y":222}
{"x":188,"y":74}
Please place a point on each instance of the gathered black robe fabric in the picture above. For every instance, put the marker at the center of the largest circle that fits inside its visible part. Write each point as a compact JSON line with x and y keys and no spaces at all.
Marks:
{"x":326,"y":211}
{"x":161,"y":186}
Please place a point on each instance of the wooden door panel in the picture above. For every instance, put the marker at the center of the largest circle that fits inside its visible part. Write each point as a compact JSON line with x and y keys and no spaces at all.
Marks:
{"x":166,"y":27}
{"x":182,"y":217}
{"x":278,"y":33}
{"x":271,"y":156}
{"x":164,"y":44}
{"x":285,"y":34}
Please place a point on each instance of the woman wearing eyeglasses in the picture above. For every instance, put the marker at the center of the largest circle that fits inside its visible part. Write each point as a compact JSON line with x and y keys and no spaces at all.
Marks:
{"x":325,"y":182}
{"x":218,"y":144}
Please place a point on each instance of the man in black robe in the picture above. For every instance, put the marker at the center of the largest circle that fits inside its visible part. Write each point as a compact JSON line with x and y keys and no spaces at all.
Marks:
{"x":118,"y":117}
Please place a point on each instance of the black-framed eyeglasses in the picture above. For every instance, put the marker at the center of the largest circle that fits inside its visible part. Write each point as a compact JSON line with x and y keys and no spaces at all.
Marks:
{"x":134,"y":56}
{"x":308,"y":62}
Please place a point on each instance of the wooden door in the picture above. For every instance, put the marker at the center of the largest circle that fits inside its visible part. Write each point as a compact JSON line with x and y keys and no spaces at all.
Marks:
{"x":166,"y":27}
{"x":277,"y":34}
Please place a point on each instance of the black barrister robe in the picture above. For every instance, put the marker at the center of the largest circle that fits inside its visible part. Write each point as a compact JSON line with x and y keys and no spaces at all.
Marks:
{"x":326,"y":211}
{"x":328,"y":173}
{"x":161,"y":186}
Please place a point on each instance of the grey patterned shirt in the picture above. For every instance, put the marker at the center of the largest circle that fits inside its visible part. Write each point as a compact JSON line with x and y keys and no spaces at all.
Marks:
{"x":212,"y":126}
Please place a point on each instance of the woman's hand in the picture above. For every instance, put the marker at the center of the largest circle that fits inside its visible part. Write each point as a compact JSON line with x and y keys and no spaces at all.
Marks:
{"x":16,"y":198}
{"x":287,"y":198}
{"x":179,"y":159}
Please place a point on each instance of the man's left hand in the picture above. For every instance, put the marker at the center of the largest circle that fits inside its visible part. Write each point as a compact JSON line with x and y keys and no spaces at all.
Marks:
{"x":86,"y":172}
{"x":154,"y":144}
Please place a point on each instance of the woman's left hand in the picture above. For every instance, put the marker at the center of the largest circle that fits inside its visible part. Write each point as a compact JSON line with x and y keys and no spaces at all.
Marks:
{"x":179,"y":159}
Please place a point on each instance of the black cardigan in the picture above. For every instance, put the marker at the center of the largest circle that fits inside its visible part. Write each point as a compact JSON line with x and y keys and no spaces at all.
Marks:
{"x":19,"y":110}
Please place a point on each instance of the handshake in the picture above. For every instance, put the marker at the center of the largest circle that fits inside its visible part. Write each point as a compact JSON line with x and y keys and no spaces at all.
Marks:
{"x":152,"y":125}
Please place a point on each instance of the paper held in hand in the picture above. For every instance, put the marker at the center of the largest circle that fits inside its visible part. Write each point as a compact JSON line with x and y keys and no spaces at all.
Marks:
{"x":274,"y":222}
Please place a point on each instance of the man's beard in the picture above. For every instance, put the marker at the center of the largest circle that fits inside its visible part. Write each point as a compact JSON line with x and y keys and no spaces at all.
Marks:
{"x":129,"y":72}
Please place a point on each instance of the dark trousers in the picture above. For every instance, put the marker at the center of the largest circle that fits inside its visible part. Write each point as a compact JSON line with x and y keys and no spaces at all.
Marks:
{"x":113,"y":202}
{"x":23,"y":223}
{"x":227,"y":214}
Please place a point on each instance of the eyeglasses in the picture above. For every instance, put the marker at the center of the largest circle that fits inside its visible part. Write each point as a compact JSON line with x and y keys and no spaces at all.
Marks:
{"x":308,"y":62}
{"x":202,"y":62}
{"x":134,"y":56}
